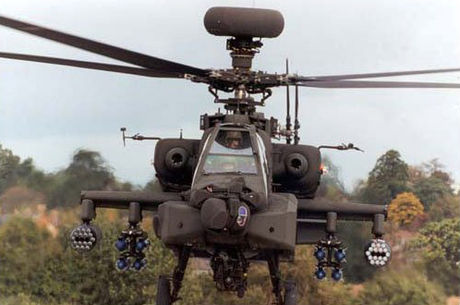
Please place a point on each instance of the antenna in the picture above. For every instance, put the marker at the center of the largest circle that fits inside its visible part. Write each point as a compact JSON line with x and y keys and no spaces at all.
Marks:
{"x":296,"y":114}
{"x":288,"y":110}
{"x":123,"y":130}
{"x":137,"y":137}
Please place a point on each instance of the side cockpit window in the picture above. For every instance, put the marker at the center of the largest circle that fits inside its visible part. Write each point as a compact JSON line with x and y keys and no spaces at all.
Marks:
{"x":231,"y":152}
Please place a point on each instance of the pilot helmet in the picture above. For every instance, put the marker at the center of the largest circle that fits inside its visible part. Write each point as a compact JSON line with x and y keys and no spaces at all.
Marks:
{"x":233,"y":137}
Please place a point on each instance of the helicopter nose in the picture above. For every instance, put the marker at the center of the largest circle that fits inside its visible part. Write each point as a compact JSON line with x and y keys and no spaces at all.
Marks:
{"x":214,"y":214}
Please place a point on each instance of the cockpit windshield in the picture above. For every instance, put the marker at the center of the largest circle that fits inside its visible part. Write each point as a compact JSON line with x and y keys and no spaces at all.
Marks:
{"x":231,"y":152}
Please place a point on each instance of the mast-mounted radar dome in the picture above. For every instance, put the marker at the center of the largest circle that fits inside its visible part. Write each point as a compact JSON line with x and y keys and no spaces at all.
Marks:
{"x":243,"y":22}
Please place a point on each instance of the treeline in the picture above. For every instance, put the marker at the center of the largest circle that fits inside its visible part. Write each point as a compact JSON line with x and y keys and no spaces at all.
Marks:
{"x":37,"y":268}
{"x":424,"y":207}
{"x":87,"y":171}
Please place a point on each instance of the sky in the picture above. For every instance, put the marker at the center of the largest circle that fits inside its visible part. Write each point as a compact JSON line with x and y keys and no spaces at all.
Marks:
{"x":47,"y":112}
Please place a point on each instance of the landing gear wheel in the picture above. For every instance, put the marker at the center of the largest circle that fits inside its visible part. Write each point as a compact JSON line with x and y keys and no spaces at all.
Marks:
{"x":290,"y":292}
{"x":163,"y":291}
{"x":240,"y":292}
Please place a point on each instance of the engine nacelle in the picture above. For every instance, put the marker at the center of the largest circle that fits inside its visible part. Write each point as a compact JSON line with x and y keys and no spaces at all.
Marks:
{"x":296,"y":169}
{"x":175,"y":161}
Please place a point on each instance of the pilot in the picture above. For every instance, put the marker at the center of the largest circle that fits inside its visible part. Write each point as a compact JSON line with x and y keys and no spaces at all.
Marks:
{"x":233,"y":139}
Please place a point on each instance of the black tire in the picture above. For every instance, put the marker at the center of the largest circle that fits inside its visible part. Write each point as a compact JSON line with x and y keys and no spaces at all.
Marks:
{"x":163,"y":291}
{"x":290,"y":292}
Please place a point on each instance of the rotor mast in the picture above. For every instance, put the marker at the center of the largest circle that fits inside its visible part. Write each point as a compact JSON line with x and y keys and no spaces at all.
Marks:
{"x":246,"y":27}
{"x":243,"y":50}
{"x":242,"y":53}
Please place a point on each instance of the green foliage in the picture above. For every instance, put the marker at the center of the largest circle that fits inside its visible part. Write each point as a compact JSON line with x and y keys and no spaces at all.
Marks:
{"x":46,"y":269}
{"x":431,"y":189}
{"x":445,"y":207}
{"x":24,"y":251}
{"x":439,"y":243}
{"x":310,"y":290}
{"x":8,"y":166}
{"x":21,"y":299}
{"x":14,"y":172}
{"x":331,"y":186}
{"x":401,"y":287}
{"x":355,"y":235}
{"x":87,"y":171}
{"x":37,"y":269}
{"x":430,"y":182}
{"x":388,"y":178}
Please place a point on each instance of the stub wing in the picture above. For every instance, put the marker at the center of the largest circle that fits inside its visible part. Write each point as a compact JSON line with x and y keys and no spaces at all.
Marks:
{"x":120,"y":200}
{"x":318,"y":208}
{"x":318,"y":217}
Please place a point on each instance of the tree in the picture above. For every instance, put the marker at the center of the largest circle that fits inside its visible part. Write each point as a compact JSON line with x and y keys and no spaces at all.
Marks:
{"x":331,"y":186}
{"x":49,"y":272}
{"x":355,"y":235}
{"x":445,"y":207}
{"x":435,"y":168}
{"x":87,"y":171}
{"x":404,"y":209}
{"x":8,"y":166}
{"x":387,"y":179}
{"x":439,"y":244}
{"x":93,"y":279}
{"x":403,"y":287}
{"x":24,"y":251}
{"x":14,"y":172}
{"x":431,"y":189}
{"x":430,"y":182}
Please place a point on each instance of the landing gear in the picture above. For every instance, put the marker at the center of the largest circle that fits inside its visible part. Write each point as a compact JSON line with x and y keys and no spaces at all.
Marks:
{"x":163,"y":291}
{"x":166,"y":295}
{"x":230,"y":274}
{"x":290,"y":292}
{"x":230,"y":270}
{"x":290,"y":289}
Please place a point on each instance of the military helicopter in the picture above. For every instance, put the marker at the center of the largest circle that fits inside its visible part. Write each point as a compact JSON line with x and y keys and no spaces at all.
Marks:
{"x":234,"y":196}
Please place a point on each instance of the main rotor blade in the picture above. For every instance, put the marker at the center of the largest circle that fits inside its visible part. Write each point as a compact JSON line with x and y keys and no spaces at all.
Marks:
{"x":372,"y":75}
{"x":124,"y":55}
{"x":87,"y":65}
{"x":374,"y":84}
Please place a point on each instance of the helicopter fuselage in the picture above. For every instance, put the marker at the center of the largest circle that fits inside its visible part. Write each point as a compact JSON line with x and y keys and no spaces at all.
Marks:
{"x":231,"y":202}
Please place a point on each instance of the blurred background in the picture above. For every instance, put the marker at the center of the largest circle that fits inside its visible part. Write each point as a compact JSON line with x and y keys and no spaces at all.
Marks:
{"x":59,"y":135}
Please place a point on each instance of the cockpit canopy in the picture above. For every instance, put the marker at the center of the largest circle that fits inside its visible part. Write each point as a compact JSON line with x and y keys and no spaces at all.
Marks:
{"x":231,"y":152}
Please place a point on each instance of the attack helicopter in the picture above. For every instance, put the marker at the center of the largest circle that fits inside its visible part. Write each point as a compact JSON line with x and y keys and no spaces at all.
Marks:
{"x":234,"y":196}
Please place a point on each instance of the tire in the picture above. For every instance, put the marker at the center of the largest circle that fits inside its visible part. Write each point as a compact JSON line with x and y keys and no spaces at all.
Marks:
{"x":290,"y":293}
{"x":163,"y":291}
